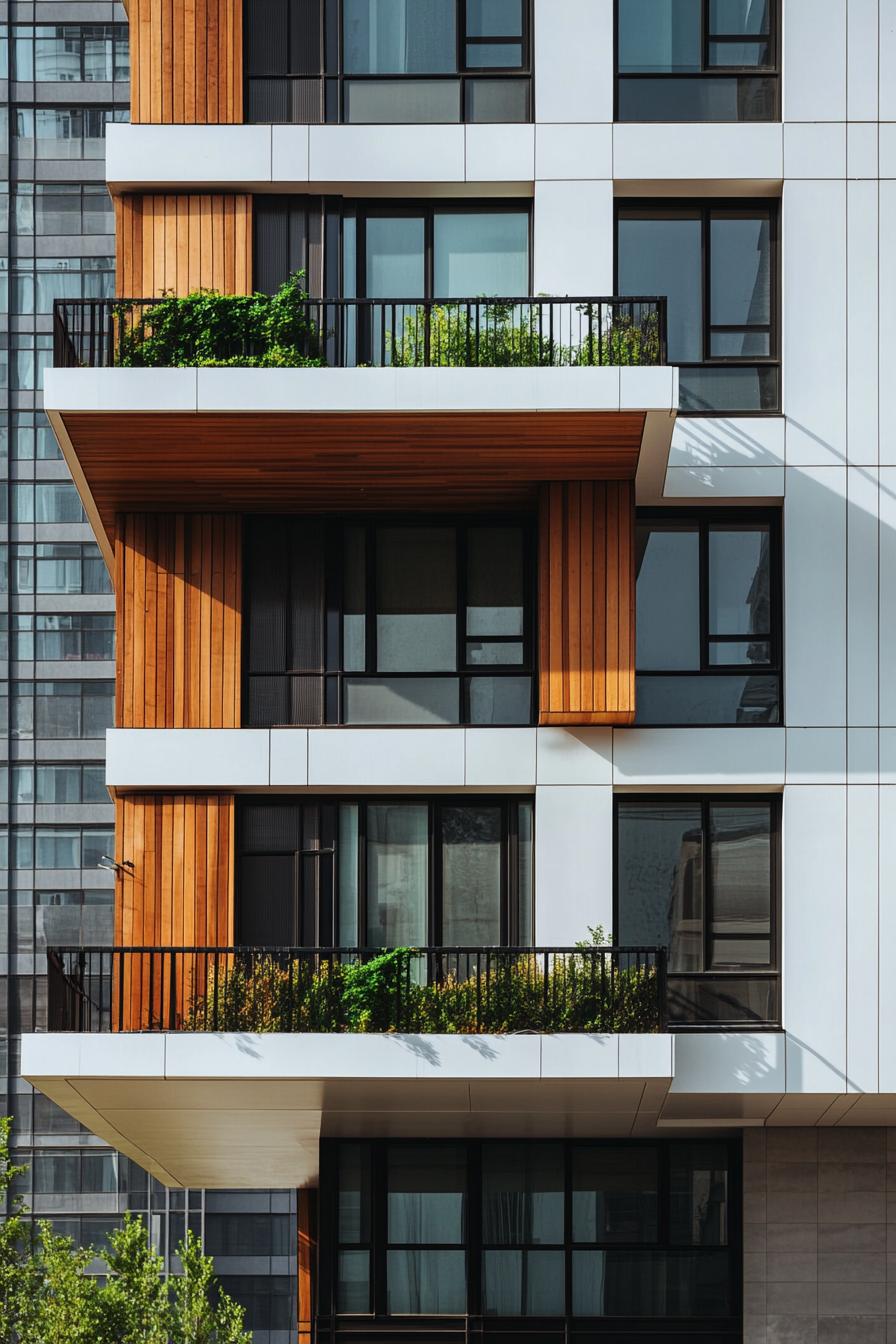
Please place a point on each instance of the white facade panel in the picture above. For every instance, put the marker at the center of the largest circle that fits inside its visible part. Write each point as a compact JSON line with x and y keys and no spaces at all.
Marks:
{"x":816,"y":755}
{"x":814,"y":907}
{"x":862,"y":21}
{"x":499,"y":153}
{"x":887,"y":938}
{"x":862,"y":599}
{"x":862,"y":919}
{"x":187,"y":758}
{"x":714,"y":758}
{"x":814,"y":50}
{"x":573,"y":756}
{"x":573,"y":57}
{"x":573,"y":863}
{"x":200,"y":155}
{"x":573,"y":238}
{"x":887,"y":598}
{"x":500,"y":758}
{"x":383,"y":758}
{"x":887,"y":60}
{"x":371,"y":154}
{"x":698,"y":152}
{"x":814,"y":290}
{"x":718,"y":484}
{"x":862,"y":410}
{"x":568,"y":151}
{"x":815,"y":149}
{"x":741,"y":441}
{"x":887,"y":326}
{"x":815,"y":597}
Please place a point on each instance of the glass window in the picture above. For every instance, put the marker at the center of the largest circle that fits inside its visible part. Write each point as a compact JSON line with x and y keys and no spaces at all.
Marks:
{"x":399,"y":37}
{"x":708,"y":603}
{"x":425,"y":1199}
{"x":697,"y":877}
{"x":716,"y":266}
{"x":408,"y":872}
{"x":433,"y":625}
{"x":397,"y":853}
{"x":631,"y":1230}
{"x":395,"y":257}
{"x":481,"y":254}
{"x":690,"y":60}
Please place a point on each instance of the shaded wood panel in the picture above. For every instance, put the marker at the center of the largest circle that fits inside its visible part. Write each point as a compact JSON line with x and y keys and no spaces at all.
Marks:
{"x":279,"y":462}
{"x":586,"y":593}
{"x":178,"y":587}
{"x":179,"y":893}
{"x":186,"y":61}
{"x":182,"y":243}
{"x":306,"y":1263}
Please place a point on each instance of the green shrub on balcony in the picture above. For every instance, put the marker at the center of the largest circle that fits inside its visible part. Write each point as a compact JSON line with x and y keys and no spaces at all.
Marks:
{"x":518,"y":335}
{"x":387,"y":993}
{"x":207,"y":329}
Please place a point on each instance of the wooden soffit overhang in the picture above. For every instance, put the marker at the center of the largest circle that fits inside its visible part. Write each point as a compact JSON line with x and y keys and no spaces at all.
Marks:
{"x":427,"y":452}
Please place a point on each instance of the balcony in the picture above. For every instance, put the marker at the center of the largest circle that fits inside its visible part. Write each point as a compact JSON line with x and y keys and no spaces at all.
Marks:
{"x":467,"y":991}
{"x":356,"y":404}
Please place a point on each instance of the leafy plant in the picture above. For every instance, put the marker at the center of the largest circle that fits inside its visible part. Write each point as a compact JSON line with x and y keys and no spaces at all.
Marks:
{"x":519,"y":335}
{"x":207,"y":329}
{"x":48,"y":1295}
{"x":389,"y":991}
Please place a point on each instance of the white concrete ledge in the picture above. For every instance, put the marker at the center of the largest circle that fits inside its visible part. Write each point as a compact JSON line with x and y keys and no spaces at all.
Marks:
{"x":448,"y":159}
{"x":442,"y":759}
{"x":260,"y":391}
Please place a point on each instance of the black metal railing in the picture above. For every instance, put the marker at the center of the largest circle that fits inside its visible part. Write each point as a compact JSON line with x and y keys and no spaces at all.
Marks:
{"x":348,"y":333}
{"x":461,"y":990}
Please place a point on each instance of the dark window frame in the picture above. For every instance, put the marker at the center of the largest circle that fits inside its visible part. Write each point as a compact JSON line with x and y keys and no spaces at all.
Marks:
{"x":332,"y":77}
{"x":704,"y":209}
{"x":708,"y":71}
{"x":332,"y":671}
{"x":710,"y":975}
{"x":704,"y":519}
{"x":314,"y":872}
{"x":492,"y":1327}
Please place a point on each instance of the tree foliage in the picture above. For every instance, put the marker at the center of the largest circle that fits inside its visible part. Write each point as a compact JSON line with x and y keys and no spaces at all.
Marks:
{"x":48,"y":1294}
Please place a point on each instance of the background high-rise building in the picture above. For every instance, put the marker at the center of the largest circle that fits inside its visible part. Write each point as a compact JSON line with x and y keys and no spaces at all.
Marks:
{"x":64,"y":68}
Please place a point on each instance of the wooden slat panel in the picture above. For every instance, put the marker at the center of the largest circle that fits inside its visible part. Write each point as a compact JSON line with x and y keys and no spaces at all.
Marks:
{"x":180,"y":891}
{"x":227,"y":463}
{"x":587,"y":603}
{"x":186,"y":61}
{"x":179,"y":620}
{"x":306,"y":1260}
{"x":183,"y":243}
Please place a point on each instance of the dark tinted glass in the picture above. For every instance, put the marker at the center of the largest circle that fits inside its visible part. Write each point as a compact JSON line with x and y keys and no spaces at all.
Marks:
{"x":664,"y":256}
{"x":660,"y":879}
{"x":471,"y":876}
{"x":740,"y":272}
{"x":741,"y":839}
{"x":668,"y":598}
{"x":615,"y":1194}
{"x":494,"y":18}
{"x":399,"y":37}
{"x":416,"y":626}
{"x":708,"y":700}
{"x":497,"y":100}
{"x":698,"y":1193}
{"x":735,"y":18}
{"x":739,"y":581}
{"x":659,"y":36}
{"x":495,"y":581}
{"x":522,"y":1194}
{"x":731,"y":388}
{"x":426,"y":1194}
{"x":701,"y":98}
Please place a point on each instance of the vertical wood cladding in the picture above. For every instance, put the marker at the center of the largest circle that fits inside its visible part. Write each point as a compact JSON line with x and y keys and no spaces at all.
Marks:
{"x":179,"y":893}
{"x":186,"y":61}
{"x":178,"y":586}
{"x":587,"y":603}
{"x":306,"y":1263}
{"x":182,"y":243}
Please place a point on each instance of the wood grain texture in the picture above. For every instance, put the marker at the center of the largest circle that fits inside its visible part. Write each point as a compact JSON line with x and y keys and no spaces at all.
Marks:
{"x":306,"y":1258}
{"x":179,"y":894}
{"x":186,"y":61}
{"x":586,"y":591}
{"x":178,"y":588}
{"x":167,"y":243}
{"x":319,"y":463}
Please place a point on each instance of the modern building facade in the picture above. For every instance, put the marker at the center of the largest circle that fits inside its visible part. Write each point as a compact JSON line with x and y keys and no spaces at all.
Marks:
{"x":503,"y":741}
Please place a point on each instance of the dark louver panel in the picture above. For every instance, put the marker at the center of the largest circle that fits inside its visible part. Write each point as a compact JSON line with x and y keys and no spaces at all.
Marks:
{"x":267,"y":901}
{"x":287,"y":238}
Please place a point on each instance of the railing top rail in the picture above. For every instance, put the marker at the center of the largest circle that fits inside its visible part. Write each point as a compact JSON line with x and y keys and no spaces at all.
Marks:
{"x":347,"y":951}
{"x":479,"y":300}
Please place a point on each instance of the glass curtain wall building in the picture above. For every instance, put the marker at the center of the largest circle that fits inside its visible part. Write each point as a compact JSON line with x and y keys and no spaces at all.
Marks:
{"x":62,"y":83}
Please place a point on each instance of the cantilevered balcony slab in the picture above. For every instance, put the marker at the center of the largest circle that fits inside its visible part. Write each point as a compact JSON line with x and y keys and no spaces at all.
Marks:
{"x":182,"y":1104}
{"x":354,"y":438}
